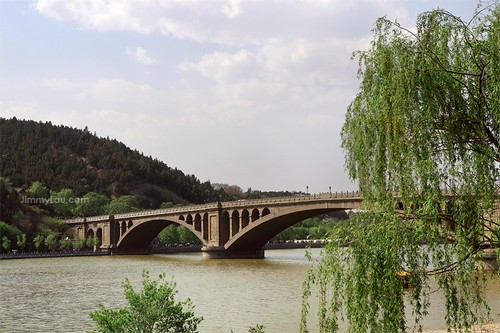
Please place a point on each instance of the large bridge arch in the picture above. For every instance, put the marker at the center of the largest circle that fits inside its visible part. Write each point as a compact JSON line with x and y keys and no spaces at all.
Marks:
{"x":140,"y":235}
{"x":260,"y":232}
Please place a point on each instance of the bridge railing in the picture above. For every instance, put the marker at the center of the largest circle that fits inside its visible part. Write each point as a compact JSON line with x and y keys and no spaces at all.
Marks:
{"x":226,"y":204}
{"x":297,"y":198}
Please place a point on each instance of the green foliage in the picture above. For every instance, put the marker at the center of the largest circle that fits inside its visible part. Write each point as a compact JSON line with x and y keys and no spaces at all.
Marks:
{"x":186,"y":236}
{"x":51,"y":241}
{"x":169,"y":235}
{"x":92,"y":242}
{"x":9,"y":231}
{"x":174,"y":234}
{"x":154,"y":309}
{"x":422,"y":139}
{"x":312,"y":228}
{"x":5,"y":243}
{"x":47,"y":225}
{"x":67,"y":244}
{"x":92,"y":204}
{"x":21,"y":241}
{"x":38,"y":191}
{"x":79,"y":244}
{"x":167,"y":204}
{"x":123,"y":204}
{"x":9,"y":200}
{"x":8,"y":234}
{"x":38,"y":241}
{"x":63,"y":202}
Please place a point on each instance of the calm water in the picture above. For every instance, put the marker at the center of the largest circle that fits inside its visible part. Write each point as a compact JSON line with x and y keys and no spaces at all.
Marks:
{"x":56,"y":294}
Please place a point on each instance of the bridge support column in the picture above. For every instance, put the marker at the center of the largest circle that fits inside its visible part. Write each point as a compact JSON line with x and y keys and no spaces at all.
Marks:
{"x":219,"y":252}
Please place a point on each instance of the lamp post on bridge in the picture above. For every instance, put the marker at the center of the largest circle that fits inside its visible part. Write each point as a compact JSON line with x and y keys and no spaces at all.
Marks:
{"x":307,"y":189}
{"x":330,"y":190}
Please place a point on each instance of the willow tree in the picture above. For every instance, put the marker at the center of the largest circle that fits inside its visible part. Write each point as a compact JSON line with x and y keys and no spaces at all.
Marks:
{"x":422,"y":138}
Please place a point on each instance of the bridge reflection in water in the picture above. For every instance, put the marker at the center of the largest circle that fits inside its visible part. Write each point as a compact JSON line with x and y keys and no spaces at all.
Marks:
{"x":234,"y":229}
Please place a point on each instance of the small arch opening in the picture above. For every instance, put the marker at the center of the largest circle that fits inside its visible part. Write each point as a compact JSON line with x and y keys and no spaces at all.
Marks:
{"x":224,"y":232}
{"x":197,"y":222}
{"x":98,"y":235}
{"x":266,"y":211}
{"x":255,"y":214}
{"x":245,"y":218}
{"x":235,"y":223}
{"x":124,"y":228}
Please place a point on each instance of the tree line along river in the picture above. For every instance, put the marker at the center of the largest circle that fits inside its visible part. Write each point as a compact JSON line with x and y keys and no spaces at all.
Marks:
{"x":57,"y":294}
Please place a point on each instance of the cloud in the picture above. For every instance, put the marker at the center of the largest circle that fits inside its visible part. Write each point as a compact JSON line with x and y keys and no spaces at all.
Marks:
{"x":110,"y":94}
{"x":232,"y":8}
{"x":247,"y":92}
{"x":141,"y":55}
{"x":284,"y":77}
{"x":227,"y":22}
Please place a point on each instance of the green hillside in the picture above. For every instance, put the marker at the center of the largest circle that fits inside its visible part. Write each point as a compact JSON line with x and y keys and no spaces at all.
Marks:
{"x":64,"y":157}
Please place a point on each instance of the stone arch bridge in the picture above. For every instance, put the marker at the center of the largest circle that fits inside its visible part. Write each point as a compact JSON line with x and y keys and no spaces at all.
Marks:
{"x":235,"y":229}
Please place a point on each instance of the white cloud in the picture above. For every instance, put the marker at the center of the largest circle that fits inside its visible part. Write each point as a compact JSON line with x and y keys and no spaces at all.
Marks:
{"x":141,"y":55}
{"x":232,"y":8}
{"x":247,"y":92}
{"x":227,"y":22}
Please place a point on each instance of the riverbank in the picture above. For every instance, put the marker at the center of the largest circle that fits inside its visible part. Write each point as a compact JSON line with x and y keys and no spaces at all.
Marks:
{"x":53,"y":254}
{"x":486,"y":328}
{"x":155,"y":250}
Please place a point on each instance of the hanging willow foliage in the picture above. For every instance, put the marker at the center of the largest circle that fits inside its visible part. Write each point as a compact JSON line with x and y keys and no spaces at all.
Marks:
{"x":422,"y":138}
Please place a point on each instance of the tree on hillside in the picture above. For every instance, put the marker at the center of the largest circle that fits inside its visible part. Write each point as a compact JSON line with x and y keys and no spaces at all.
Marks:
{"x":92,"y":204}
{"x":63,"y":202}
{"x":422,"y":138}
{"x":9,"y":233}
{"x":62,"y":157}
{"x":9,"y":200}
{"x":38,"y":191}
{"x":123,"y":204}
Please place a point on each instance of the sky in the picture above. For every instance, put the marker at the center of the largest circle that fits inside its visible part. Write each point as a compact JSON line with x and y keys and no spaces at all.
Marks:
{"x":247,"y":93}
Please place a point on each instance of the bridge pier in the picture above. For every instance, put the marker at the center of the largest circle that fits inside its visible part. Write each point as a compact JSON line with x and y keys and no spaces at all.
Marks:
{"x":218,"y":252}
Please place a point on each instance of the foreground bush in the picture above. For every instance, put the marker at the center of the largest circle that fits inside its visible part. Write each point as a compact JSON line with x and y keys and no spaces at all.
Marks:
{"x":154,"y":309}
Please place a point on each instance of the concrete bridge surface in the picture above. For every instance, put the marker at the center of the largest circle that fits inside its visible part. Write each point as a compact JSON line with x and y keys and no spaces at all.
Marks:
{"x":235,"y":229}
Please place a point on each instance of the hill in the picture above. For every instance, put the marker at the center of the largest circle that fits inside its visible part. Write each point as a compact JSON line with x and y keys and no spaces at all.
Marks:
{"x":64,"y":157}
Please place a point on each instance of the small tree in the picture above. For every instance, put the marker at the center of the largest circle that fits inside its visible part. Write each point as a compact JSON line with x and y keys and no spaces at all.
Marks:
{"x":66,"y":243}
{"x":51,"y":241}
{"x":79,"y":244}
{"x":21,"y":241}
{"x":63,"y":202}
{"x":5,"y":244}
{"x":39,"y":192}
{"x":167,"y":204}
{"x":38,"y":241}
{"x":91,"y":204}
{"x":152,"y":310}
{"x":92,"y":242}
{"x":123,"y":204}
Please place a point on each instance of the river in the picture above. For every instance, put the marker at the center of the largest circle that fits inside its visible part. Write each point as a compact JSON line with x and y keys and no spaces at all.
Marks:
{"x":56,"y":294}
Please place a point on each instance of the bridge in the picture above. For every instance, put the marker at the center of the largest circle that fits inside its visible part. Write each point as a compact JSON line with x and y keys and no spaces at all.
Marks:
{"x":234,"y":229}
